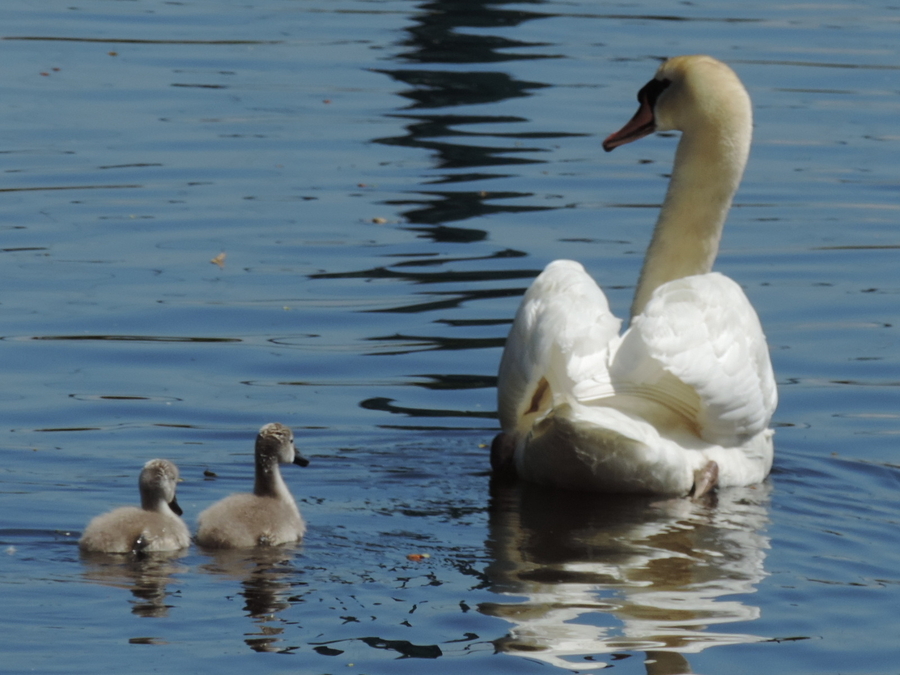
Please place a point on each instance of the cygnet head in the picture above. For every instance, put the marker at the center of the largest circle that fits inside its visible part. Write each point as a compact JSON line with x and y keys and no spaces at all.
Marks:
{"x":688,"y":93}
{"x":274,"y":446}
{"x":276,"y":442}
{"x":157,"y":483}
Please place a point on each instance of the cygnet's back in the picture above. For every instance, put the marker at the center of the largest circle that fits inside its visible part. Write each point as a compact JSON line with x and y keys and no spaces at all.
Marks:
{"x":267,"y":517}
{"x":155,"y":526}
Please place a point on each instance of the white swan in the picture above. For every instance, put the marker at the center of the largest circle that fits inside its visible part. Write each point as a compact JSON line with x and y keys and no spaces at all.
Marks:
{"x":267,"y":517}
{"x":155,"y":526}
{"x":681,"y":402}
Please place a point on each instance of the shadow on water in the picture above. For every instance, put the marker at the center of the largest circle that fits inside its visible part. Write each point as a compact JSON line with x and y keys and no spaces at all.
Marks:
{"x":586,"y":580}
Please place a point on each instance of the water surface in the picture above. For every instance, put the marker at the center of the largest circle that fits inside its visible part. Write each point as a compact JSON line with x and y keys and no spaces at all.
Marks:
{"x":217,"y":215}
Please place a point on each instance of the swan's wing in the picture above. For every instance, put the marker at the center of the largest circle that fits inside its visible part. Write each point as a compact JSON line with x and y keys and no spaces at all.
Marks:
{"x":560,"y":332}
{"x":699,"y":349}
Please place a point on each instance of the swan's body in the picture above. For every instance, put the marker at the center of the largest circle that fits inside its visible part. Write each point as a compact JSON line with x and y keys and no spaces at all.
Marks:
{"x":266,"y":517}
{"x":155,"y":526}
{"x":682,"y":400}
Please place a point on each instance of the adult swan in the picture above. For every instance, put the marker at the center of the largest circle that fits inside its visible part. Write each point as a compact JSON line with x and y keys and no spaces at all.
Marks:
{"x":681,"y":402}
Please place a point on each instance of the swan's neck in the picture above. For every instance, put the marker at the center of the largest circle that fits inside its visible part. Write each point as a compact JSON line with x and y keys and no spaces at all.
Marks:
{"x":154,"y":502}
{"x":708,"y":167}
{"x":269,"y":482}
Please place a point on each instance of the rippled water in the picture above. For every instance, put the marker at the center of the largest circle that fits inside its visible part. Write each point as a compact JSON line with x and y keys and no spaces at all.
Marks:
{"x":220,"y":214}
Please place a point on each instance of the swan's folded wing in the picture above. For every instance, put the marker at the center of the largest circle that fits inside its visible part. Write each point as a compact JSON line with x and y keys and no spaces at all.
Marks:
{"x":699,"y":345}
{"x":561,"y":330}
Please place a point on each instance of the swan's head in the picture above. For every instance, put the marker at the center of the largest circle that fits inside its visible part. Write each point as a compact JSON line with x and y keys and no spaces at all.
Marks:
{"x":157,"y":485}
{"x":688,"y":93}
{"x":276,"y":441}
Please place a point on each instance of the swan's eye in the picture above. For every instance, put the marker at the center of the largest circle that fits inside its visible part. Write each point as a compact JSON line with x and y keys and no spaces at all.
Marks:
{"x":650,"y":92}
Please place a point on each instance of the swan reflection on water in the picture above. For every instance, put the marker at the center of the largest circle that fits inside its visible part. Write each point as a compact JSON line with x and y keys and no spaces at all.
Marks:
{"x":146,"y":575}
{"x":586,"y":576}
{"x":266,"y":575}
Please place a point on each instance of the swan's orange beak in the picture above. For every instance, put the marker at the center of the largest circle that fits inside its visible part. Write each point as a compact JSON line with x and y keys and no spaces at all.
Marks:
{"x":642,"y":124}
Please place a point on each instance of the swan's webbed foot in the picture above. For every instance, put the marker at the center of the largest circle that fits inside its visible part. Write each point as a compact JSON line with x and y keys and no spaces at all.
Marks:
{"x":503,"y":449}
{"x":705,"y":479}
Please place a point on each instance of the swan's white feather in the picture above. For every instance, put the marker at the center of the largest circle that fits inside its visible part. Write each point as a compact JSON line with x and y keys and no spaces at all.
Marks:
{"x":690,"y":382}
{"x":704,"y":332}
{"x":689,"y":378}
{"x":559,"y":334}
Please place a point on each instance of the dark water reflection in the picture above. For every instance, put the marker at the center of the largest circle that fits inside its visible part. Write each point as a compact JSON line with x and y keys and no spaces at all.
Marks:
{"x":147,"y":576}
{"x":435,"y":38}
{"x":604,"y":576}
{"x":459,"y":157}
{"x":401,"y":270}
{"x":269,"y":584}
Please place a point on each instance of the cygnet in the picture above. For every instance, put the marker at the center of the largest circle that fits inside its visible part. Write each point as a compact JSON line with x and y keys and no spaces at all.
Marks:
{"x":267,"y":517}
{"x":155,"y":526}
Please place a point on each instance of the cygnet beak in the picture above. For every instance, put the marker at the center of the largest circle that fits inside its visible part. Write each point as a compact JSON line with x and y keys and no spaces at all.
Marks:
{"x":175,"y":507}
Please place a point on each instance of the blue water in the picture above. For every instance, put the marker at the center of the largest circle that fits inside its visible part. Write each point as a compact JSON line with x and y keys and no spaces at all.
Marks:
{"x":384,"y":179}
